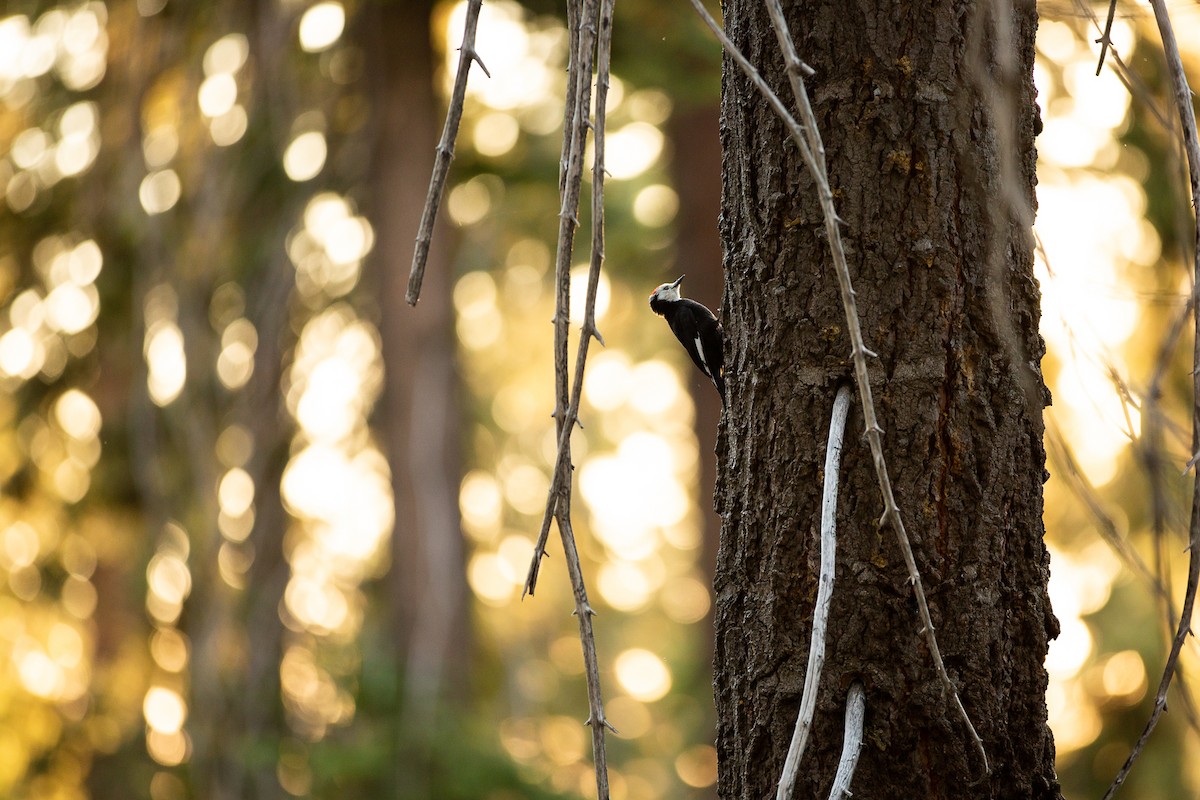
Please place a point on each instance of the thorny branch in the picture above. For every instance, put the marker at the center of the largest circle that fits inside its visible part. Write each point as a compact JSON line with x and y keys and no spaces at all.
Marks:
{"x":814,"y":159}
{"x":591,"y":42}
{"x":1105,"y":40}
{"x":570,"y":179}
{"x":445,"y":151}
{"x":1191,"y":143}
{"x":816,"y":648}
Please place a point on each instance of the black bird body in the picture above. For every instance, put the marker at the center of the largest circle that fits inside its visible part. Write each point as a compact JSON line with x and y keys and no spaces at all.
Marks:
{"x":696,"y":328}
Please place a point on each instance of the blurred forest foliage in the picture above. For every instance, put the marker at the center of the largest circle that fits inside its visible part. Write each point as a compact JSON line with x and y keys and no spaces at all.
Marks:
{"x":230,"y":453}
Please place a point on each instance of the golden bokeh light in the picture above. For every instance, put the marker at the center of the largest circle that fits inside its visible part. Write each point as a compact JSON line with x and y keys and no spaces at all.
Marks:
{"x":1120,"y":679}
{"x":164,"y":709}
{"x":160,"y":191}
{"x":656,"y":205}
{"x":226,"y":55}
{"x":327,"y":252}
{"x":1073,"y":716}
{"x":491,"y":579}
{"x":235,"y":445}
{"x":160,"y":145}
{"x":563,"y":739}
{"x":169,"y":578}
{"x":629,"y":716}
{"x":659,"y":389}
{"x":71,"y":309}
{"x":310,"y":693}
{"x":235,"y":493}
{"x":519,"y":737}
{"x":166,"y":362}
{"x":522,"y":55}
{"x":579,"y":283}
{"x":79,"y":597}
{"x":235,"y":363}
{"x":525,"y":487}
{"x":631,"y":150}
{"x":228,"y":128}
{"x":304,"y":157}
{"x":495,"y":134}
{"x":479,"y":323}
{"x":21,"y":355}
{"x":234,"y":560}
{"x":321,"y":26}
{"x":469,"y":202}
{"x":697,"y":766}
{"x":626,"y":586}
{"x":480,"y":502}
{"x":168,"y":748}
{"x":632,"y":493}
{"x":217,"y":94}
{"x":169,"y":649}
{"x":642,"y":674}
{"x":685,"y":600}
{"x":21,"y":546}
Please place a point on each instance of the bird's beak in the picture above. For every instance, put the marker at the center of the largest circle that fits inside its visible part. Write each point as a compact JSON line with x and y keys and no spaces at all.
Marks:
{"x":678,"y":281}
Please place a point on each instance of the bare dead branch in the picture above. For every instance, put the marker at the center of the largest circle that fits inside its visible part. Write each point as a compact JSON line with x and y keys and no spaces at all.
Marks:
{"x":859,"y":351}
{"x":1191,"y":143}
{"x":445,"y":151}
{"x":852,"y":739}
{"x":579,"y":91}
{"x":591,"y":38}
{"x":1105,"y":41}
{"x":1078,"y":483}
{"x":816,"y":648}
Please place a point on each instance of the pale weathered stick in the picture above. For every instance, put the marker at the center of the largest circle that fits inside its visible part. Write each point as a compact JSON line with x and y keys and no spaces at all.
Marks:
{"x":1191,"y":143}
{"x":852,"y":739}
{"x":816,"y":648}
{"x":445,"y":151}
{"x":859,"y":353}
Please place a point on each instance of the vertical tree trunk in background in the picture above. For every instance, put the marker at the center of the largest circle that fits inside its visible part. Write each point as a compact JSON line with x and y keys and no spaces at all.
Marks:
{"x":418,"y":408}
{"x":907,"y":98}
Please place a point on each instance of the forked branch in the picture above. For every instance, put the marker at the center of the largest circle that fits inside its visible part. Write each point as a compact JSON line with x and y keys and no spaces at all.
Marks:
{"x":590,"y":43}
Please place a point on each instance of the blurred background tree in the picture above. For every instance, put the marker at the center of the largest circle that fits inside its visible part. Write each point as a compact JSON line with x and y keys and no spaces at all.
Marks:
{"x":236,"y":468}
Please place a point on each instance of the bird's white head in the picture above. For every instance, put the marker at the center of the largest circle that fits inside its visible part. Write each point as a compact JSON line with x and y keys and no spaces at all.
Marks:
{"x":667,"y":292}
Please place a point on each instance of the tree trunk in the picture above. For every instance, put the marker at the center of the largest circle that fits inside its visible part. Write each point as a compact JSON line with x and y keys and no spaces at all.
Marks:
{"x":418,"y":409}
{"x":928,"y":117}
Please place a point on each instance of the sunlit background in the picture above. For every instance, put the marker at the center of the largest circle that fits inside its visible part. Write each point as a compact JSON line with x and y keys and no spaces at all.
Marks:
{"x":199,"y":501}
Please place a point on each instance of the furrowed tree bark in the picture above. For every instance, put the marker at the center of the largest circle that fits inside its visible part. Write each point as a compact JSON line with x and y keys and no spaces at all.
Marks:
{"x":928,"y":116}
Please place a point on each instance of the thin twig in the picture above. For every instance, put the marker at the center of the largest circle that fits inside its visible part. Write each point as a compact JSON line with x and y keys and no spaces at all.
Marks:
{"x":445,"y":151}
{"x":579,"y":91}
{"x":1078,"y":483}
{"x":816,"y":649}
{"x":1105,"y":40}
{"x":852,"y":739}
{"x":596,"y":718}
{"x":1191,"y":143}
{"x":859,"y":352}
{"x":591,"y":36}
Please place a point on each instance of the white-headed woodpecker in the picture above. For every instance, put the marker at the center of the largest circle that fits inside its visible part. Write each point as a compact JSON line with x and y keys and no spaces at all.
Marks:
{"x":696,"y":329}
